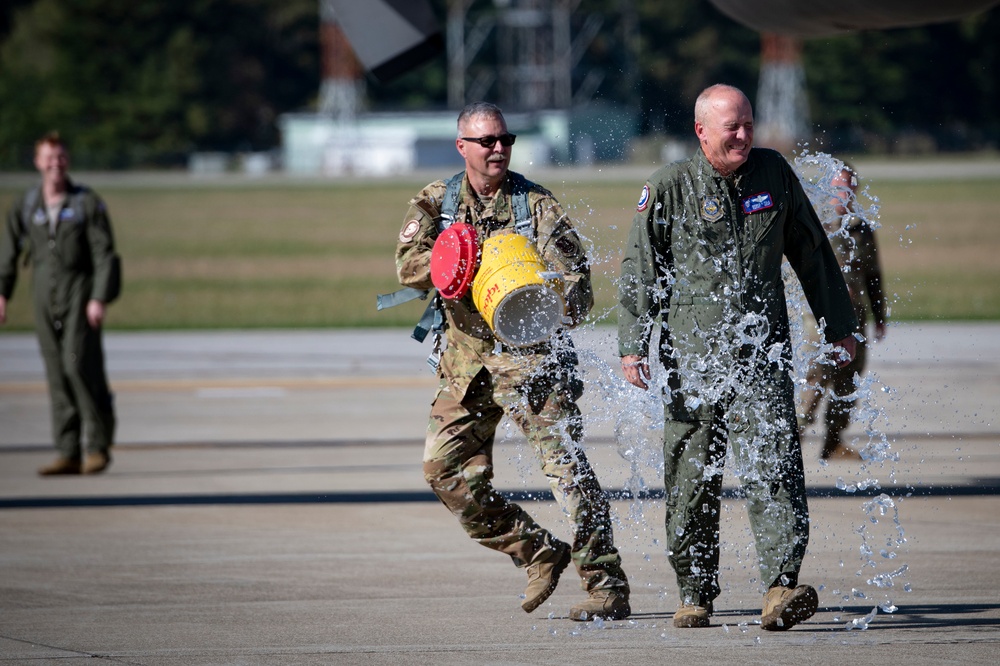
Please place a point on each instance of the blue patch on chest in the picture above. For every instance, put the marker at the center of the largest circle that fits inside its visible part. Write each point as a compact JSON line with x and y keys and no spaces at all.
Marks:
{"x":757,"y":203}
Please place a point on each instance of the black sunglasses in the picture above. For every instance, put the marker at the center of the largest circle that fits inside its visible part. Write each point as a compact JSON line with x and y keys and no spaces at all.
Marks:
{"x":490,"y":141}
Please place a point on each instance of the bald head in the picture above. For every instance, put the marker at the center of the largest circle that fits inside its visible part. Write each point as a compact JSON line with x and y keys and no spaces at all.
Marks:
{"x":714,"y":95}
{"x":723,"y":122}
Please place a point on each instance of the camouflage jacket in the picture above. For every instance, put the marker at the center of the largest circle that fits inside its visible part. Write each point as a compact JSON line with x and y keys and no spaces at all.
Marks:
{"x":857,"y":252}
{"x":557,"y":241}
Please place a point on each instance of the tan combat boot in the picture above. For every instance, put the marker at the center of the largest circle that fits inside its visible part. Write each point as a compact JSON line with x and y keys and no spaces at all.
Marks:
{"x":96,"y":462}
{"x":61,"y":466}
{"x":692,"y":616}
{"x":608,"y":604}
{"x":785,"y":607}
{"x":543,"y":578}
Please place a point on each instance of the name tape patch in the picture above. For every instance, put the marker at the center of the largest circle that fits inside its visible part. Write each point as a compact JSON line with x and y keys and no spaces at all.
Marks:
{"x":757,"y":203}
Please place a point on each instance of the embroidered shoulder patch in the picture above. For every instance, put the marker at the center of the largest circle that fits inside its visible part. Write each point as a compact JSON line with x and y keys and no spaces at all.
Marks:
{"x":568,"y":247}
{"x":643,"y":199}
{"x":757,"y":203}
{"x":410,"y":230}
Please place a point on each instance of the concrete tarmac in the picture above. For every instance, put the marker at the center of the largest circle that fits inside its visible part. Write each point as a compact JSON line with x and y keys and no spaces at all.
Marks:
{"x":266,"y":506}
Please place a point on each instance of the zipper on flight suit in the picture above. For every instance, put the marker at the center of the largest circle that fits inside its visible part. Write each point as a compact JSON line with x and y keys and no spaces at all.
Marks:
{"x":730,"y":188}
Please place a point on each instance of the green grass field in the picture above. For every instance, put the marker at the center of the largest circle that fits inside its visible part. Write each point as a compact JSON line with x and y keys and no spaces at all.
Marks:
{"x":315,"y":255}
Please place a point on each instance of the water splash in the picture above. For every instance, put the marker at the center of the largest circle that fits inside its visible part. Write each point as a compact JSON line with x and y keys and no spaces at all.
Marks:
{"x":637,"y":417}
{"x":862,"y":622}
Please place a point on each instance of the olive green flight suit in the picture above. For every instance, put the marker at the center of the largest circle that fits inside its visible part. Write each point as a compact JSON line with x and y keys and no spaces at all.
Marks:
{"x":70,"y":267}
{"x":704,"y":255}
{"x":536,"y":387}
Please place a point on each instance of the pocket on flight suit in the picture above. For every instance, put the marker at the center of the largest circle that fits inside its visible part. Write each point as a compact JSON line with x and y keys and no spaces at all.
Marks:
{"x":680,"y":405}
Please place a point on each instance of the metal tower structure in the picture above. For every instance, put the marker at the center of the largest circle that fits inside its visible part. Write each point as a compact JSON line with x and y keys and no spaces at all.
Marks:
{"x":782,"y":107}
{"x":536,"y":54}
{"x":343,"y":85}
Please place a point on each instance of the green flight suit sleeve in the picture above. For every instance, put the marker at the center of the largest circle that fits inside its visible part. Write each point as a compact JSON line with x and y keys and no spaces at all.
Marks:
{"x":11,"y":242}
{"x":812,"y":258}
{"x":638,"y":286}
{"x":102,"y":251}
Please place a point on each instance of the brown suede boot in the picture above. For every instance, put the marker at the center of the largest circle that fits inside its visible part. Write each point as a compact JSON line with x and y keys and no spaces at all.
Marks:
{"x":96,"y":462}
{"x":691,"y":616}
{"x":784,"y":607}
{"x":61,"y":466}
{"x":609,"y":604}
{"x":543,"y":578}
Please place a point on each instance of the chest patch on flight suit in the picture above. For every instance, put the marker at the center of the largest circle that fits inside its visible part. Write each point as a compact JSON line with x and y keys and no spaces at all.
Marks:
{"x":711,"y":209}
{"x":757,"y":203}
{"x":39,"y":218}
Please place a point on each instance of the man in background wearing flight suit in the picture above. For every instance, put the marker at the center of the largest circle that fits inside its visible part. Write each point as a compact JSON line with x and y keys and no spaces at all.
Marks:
{"x":857,"y":251}
{"x":64,"y":228}
{"x":704,"y":254}
{"x":481,"y":380}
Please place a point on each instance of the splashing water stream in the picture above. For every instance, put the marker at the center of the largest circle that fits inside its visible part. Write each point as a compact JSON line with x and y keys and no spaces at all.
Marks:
{"x":636,"y":417}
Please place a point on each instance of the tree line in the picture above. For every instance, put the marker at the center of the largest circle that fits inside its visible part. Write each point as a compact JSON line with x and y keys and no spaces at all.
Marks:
{"x":145,"y":82}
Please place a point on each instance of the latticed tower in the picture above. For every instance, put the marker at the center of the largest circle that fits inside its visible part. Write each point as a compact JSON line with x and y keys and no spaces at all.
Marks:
{"x":782,"y":109}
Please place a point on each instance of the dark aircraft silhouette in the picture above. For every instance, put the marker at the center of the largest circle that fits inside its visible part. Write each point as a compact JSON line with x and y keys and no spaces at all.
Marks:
{"x":393,"y":36}
{"x":801,"y":18}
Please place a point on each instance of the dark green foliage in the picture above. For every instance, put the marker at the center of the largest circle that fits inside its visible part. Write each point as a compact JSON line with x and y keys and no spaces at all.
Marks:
{"x":144,"y":82}
{"x":913,"y":90}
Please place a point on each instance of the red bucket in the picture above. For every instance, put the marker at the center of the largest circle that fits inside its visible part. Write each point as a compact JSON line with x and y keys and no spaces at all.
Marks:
{"x":454,"y":260}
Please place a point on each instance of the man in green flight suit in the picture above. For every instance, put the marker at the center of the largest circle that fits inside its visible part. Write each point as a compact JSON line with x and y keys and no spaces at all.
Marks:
{"x":704,"y":255}
{"x":481,"y":380}
{"x":65,"y":229}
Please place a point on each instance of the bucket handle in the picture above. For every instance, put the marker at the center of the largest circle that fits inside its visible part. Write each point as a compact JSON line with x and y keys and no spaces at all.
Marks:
{"x":556,"y":275}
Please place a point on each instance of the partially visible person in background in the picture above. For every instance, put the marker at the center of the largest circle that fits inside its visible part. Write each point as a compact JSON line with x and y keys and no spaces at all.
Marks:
{"x":854,"y":244}
{"x":64,"y":229}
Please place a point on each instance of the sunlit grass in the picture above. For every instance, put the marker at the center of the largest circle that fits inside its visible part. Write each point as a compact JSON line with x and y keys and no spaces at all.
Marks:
{"x":307,"y":254}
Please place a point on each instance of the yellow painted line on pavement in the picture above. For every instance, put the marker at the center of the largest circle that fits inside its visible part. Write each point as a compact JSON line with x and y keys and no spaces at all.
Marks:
{"x":290,"y":383}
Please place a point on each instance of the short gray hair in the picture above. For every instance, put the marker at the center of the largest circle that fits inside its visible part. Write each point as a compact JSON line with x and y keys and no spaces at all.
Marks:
{"x":478,"y":109}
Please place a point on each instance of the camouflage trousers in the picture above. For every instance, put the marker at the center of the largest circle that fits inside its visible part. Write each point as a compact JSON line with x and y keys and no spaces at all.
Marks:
{"x":837,"y":384}
{"x":759,"y":424}
{"x":458,"y":465}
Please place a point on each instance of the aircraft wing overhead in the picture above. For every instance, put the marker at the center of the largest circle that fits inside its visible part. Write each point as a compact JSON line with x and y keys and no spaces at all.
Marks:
{"x":797,"y":18}
{"x":389,"y":37}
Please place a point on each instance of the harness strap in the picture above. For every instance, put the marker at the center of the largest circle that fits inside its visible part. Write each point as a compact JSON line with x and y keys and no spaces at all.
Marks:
{"x":519,"y":202}
{"x":449,"y":206}
{"x":404,"y":295}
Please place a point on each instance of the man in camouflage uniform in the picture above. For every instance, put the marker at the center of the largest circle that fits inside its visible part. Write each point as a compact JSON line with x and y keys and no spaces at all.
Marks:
{"x":66,"y":231}
{"x":857,"y":251}
{"x":704,"y":254}
{"x":481,"y":380}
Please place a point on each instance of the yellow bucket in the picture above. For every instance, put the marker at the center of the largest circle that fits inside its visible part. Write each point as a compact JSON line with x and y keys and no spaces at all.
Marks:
{"x":515,"y":292}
